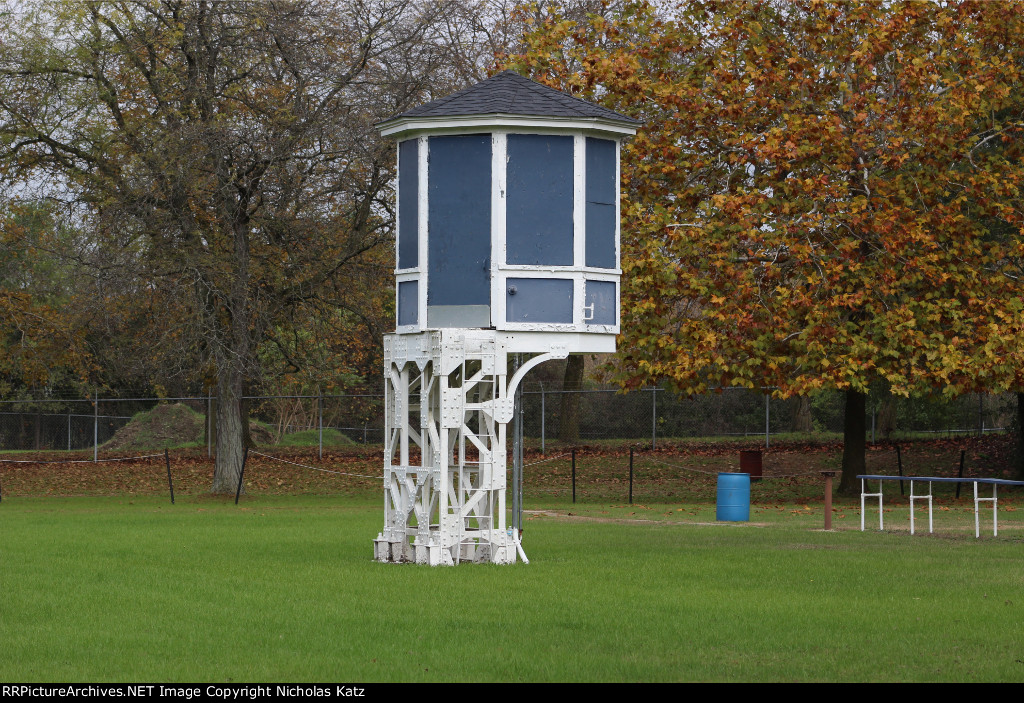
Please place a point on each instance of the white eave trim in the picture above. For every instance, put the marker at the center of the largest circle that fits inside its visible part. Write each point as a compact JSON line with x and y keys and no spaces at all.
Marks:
{"x":462,"y":123}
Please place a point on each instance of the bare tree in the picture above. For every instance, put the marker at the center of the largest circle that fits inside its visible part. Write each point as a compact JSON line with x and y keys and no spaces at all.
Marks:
{"x":222,"y":156}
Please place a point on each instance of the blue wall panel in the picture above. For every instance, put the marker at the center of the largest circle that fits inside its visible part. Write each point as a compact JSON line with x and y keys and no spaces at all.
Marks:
{"x":600,"y":249}
{"x":408,"y":302}
{"x":538,"y":300}
{"x":408,"y":199}
{"x":539,"y":203}
{"x":601,"y":192}
{"x":601,"y":294}
{"x":459,"y":222}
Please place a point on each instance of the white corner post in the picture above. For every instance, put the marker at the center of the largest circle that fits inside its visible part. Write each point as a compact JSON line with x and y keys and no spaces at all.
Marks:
{"x":448,"y":403}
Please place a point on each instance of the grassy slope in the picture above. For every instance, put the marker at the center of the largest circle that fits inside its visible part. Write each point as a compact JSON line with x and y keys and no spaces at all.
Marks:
{"x":282,"y":588}
{"x":311,"y":438}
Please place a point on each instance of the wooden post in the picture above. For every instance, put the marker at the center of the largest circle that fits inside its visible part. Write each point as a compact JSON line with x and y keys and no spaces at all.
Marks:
{"x":828,"y":498}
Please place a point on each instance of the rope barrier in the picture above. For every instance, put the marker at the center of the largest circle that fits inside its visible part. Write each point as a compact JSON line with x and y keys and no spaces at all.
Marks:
{"x":806,"y":473}
{"x":85,"y":460}
{"x":364,"y":476}
{"x":715,"y":473}
{"x":314,"y":468}
{"x":684,"y":468}
{"x":544,"y":461}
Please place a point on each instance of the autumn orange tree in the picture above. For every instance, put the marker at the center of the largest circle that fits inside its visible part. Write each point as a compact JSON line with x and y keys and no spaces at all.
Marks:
{"x":809,"y":204}
{"x":993,"y":195}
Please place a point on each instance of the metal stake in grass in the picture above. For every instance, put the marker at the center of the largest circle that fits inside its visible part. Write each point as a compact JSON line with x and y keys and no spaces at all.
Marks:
{"x":167,"y":460}
{"x":241,"y":473}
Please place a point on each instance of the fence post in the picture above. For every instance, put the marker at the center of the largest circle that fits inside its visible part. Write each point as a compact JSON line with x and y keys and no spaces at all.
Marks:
{"x":69,"y":428}
{"x":573,"y":475}
{"x":899,"y":467}
{"x":542,"y":452}
{"x":654,"y":417}
{"x":320,"y":422}
{"x":960,"y":473}
{"x":95,"y":425}
{"x":767,"y":416}
{"x":209,"y":423}
{"x":981,"y":415}
{"x":874,"y":407}
{"x":631,"y":475}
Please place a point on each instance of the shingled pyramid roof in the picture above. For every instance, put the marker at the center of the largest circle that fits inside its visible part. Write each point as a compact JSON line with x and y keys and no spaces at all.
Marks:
{"x":508,"y":93}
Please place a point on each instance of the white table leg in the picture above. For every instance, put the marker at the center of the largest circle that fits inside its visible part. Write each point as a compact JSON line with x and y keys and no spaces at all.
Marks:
{"x":881,"y":523}
{"x":995,"y":511}
{"x":977,"y":525}
{"x":931,"y":527}
{"x":862,"y":505}
{"x":911,"y":506}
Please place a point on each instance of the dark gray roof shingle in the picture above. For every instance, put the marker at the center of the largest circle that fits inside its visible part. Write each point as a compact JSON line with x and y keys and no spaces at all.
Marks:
{"x":510,"y":93}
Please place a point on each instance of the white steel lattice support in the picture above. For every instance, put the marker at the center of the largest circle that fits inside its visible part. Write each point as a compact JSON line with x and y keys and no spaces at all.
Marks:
{"x":448,"y":402}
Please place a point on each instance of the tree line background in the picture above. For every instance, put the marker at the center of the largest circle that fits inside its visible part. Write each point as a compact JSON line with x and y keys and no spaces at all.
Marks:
{"x":824,"y":196}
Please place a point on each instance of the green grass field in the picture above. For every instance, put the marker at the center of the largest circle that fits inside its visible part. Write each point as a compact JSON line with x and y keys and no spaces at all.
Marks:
{"x":283,"y":588}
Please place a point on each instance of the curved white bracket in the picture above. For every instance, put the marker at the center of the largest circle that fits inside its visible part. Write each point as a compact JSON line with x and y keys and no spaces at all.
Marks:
{"x":535,"y":361}
{"x":504,"y":409}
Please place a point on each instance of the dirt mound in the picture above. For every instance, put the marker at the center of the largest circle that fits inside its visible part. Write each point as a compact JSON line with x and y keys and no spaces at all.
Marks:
{"x":164,"y":426}
{"x":261,"y":436}
{"x":172,"y":425}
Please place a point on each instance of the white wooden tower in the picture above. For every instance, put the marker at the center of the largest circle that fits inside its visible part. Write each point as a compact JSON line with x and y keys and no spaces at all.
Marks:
{"x":507,"y":253}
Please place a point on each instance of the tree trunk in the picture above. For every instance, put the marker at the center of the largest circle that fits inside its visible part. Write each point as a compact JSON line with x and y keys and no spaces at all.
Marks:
{"x":569,"y":414}
{"x":1019,"y":464}
{"x":853,"y":443}
{"x":802,"y":418}
{"x":230,"y":447}
{"x":232,"y":363}
{"x":886,"y":417}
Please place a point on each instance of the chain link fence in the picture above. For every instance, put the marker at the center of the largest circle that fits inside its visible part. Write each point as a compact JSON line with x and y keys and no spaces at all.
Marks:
{"x":651,"y":415}
{"x":646,"y":416}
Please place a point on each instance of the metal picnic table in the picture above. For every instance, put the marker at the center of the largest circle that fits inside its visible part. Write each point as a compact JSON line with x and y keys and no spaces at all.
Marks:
{"x":995,"y":482}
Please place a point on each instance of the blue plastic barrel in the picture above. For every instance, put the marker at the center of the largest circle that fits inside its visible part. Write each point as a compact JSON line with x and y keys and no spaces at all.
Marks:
{"x":733,"y":498}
